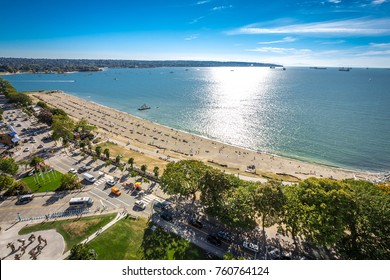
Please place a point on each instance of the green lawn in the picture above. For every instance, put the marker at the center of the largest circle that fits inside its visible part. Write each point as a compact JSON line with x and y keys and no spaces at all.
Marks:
{"x":131,"y":239}
{"x":49,"y":181}
{"x":74,"y":230}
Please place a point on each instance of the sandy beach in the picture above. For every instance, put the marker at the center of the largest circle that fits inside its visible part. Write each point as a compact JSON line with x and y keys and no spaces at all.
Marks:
{"x":171,"y":143}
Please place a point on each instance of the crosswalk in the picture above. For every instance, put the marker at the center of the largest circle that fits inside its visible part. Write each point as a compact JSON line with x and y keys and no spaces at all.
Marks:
{"x":150,"y":198}
{"x":100,"y":181}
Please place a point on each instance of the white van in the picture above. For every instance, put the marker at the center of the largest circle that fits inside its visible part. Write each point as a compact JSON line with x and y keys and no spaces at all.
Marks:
{"x":89,"y":177}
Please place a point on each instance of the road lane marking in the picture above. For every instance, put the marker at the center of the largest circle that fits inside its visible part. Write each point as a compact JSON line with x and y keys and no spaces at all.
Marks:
{"x":116,"y":206}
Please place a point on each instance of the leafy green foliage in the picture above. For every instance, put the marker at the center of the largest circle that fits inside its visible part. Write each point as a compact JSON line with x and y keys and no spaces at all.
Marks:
{"x":70,"y":182}
{"x":184,"y":177}
{"x":6,"y":182}
{"x":366,"y":235}
{"x":18,"y":187}
{"x":35,"y":160}
{"x":62,"y":127}
{"x":98,"y":150}
{"x":9,"y":166}
{"x":45,"y":116}
{"x":81,"y":252}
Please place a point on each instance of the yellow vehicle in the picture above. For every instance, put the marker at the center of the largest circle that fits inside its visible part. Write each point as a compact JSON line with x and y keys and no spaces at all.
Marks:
{"x":116,"y":191}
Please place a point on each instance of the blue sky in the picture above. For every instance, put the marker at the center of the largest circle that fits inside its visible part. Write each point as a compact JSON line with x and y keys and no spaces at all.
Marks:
{"x":307,"y":32}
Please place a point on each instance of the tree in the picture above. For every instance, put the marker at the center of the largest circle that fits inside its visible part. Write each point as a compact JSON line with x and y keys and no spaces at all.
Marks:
{"x":82,"y":145}
{"x":106,"y":152}
{"x":6,"y":181}
{"x":318,"y":210}
{"x":215,"y":186}
{"x":268,"y":202}
{"x":131,"y":162}
{"x":70,"y":182}
{"x":62,"y":127}
{"x":83,"y":126}
{"x":35,"y":161}
{"x":82,"y":252}
{"x":184,"y":177}
{"x":18,"y":188}
{"x":98,"y":150}
{"x":368,"y":226}
{"x":239,"y":207}
{"x":143,"y":168}
{"x":42,"y":104}
{"x":156,"y":171}
{"x":9,"y":166}
{"x":117,"y":159}
{"x":45,"y":116}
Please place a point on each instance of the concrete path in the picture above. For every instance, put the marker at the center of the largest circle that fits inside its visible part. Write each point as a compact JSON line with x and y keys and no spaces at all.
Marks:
{"x":53,"y":249}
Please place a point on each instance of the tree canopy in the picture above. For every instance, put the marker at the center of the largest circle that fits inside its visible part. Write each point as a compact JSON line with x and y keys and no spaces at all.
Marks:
{"x":62,"y":128}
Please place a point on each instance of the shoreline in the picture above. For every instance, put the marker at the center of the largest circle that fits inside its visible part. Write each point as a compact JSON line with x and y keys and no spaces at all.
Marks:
{"x":113,"y":122}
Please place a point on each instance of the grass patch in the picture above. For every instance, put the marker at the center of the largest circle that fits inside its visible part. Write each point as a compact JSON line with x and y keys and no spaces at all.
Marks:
{"x":73,"y":231}
{"x":139,"y":158}
{"x":131,"y":239}
{"x":49,"y":181}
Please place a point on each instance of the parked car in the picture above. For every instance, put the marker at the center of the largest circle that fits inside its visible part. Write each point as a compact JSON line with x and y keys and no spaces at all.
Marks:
{"x":162,"y":204}
{"x":195,"y":223}
{"x":72,"y":170}
{"x":110,"y":183}
{"x":214,"y":240}
{"x":82,"y":169}
{"x":250,"y":246}
{"x":26,"y":149}
{"x":140,"y":204}
{"x":224,"y":235}
{"x":40,"y":146}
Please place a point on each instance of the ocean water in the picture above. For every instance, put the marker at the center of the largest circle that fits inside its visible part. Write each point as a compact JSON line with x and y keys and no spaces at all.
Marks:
{"x":325,"y":116}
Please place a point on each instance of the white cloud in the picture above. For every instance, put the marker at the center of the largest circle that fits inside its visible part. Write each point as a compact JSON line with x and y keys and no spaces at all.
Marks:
{"x":192,"y":37}
{"x":369,"y":53}
{"x":378,"y":2}
{"x":381,"y":45}
{"x":353,"y":27}
{"x":218,"y":8}
{"x":203,"y":2}
{"x":336,"y":42}
{"x":334,"y":1}
{"x":284,"y":40}
{"x":281,"y":50}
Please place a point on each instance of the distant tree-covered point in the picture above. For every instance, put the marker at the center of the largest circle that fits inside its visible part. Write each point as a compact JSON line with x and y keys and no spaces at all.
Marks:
{"x":39,"y":65}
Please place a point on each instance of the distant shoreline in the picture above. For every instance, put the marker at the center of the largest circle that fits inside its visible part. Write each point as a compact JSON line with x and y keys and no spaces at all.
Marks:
{"x":162,"y":138}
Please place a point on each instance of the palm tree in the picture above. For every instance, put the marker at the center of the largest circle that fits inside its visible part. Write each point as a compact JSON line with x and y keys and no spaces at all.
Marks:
{"x":98,"y":151}
{"x":143,"y":168}
{"x":131,"y":162}
{"x":155,"y":171}
{"x":106,"y":152}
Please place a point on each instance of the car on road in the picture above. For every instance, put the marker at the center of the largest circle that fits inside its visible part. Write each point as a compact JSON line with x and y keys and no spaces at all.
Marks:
{"x":26,"y":149}
{"x":82,"y":169}
{"x":110,"y":183}
{"x":72,"y":170}
{"x":195,"y":223}
{"x":166,"y":216}
{"x":18,"y":125}
{"x":25,"y":140}
{"x":224,"y":235}
{"x":213,"y":239}
{"x":250,"y":246}
{"x":162,"y":204}
{"x":115,"y":191}
{"x":40,"y":146}
{"x":25,"y":199}
{"x":140,"y":204}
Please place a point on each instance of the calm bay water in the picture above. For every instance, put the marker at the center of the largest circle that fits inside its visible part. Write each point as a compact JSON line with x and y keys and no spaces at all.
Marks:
{"x":326,"y":116}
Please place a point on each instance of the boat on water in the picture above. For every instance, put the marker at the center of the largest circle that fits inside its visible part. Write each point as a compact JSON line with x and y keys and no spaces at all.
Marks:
{"x":144,"y":107}
{"x":344,"y":68}
{"x":318,"y":68}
